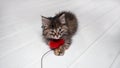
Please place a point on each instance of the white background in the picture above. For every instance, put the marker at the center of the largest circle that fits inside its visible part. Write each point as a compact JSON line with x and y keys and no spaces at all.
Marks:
{"x":96,"y":44}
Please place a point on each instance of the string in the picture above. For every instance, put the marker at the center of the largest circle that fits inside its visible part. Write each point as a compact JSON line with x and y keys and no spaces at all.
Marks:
{"x":43,"y":57}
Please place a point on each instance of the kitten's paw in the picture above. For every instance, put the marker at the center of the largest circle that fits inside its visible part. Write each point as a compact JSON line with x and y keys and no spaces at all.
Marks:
{"x":59,"y":51}
{"x":66,"y":47}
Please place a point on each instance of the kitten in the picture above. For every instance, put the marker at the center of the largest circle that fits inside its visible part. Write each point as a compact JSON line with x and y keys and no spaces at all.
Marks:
{"x":62,"y":26}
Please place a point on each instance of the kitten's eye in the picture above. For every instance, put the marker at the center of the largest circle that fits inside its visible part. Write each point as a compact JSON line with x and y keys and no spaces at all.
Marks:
{"x":52,"y":26}
{"x":59,"y":29}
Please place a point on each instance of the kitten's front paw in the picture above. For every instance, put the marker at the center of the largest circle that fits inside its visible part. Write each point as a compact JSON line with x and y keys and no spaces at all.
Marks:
{"x":66,"y":47}
{"x":59,"y":51}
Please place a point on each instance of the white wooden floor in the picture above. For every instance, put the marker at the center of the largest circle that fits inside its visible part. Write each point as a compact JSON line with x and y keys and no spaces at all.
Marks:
{"x":96,"y":44}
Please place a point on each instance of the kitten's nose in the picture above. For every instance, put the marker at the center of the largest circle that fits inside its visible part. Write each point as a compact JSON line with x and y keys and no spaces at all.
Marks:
{"x":56,"y":34}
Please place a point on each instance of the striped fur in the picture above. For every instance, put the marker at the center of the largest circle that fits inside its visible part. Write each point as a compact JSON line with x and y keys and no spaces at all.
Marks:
{"x":62,"y":26}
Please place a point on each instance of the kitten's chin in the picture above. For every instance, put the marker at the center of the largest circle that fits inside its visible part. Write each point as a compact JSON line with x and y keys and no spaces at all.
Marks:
{"x":55,"y":38}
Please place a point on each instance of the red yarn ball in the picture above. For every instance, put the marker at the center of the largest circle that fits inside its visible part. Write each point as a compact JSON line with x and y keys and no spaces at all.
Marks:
{"x":56,"y":43}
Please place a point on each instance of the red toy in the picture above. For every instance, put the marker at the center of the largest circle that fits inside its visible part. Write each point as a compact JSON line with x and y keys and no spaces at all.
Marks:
{"x":56,"y":43}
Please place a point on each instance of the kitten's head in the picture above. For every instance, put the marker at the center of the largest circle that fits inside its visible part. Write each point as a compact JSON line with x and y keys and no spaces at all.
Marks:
{"x":54,"y":27}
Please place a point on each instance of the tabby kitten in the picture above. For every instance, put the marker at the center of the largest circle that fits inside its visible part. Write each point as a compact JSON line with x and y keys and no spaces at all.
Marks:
{"x":62,"y":26}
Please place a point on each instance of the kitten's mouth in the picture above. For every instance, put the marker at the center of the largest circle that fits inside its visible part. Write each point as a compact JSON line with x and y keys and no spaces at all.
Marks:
{"x":49,"y":38}
{"x":54,"y":38}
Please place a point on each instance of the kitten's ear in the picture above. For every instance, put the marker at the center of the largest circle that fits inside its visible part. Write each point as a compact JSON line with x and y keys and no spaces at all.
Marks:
{"x":45,"y":21}
{"x":62,"y":19}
